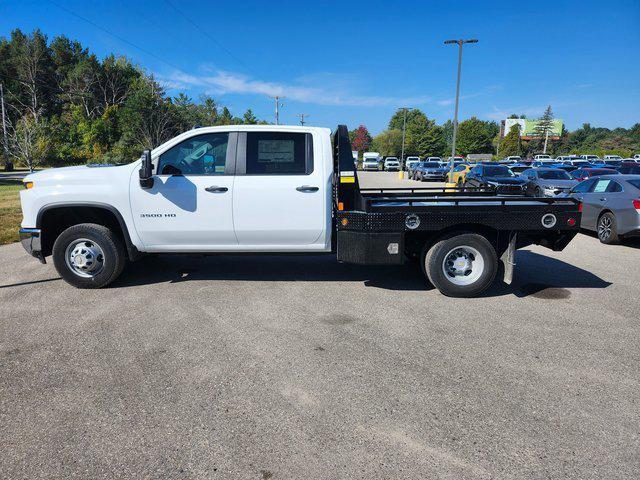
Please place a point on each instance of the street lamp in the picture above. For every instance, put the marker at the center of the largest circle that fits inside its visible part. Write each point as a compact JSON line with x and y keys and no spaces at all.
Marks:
{"x":455,"y":115}
{"x":404,"y":128}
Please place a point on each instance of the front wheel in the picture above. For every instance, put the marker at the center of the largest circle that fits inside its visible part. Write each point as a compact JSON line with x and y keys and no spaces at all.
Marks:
{"x":461,"y":266}
{"x":607,"y":229}
{"x":88,"y":255}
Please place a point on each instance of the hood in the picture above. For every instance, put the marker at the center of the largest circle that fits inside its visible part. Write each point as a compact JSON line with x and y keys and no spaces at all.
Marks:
{"x":557,"y":183}
{"x":505,"y":180}
{"x":83,"y":174}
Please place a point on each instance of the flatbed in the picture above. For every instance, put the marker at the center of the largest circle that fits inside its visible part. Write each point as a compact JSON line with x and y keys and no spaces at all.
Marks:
{"x":432,"y":224}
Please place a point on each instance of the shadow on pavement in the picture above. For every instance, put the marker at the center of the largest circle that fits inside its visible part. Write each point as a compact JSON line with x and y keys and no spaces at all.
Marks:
{"x":532,"y":273}
{"x":545,"y":277}
{"x":32,"y":282}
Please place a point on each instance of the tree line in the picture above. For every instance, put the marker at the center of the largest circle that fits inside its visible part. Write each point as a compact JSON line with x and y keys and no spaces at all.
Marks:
{"x":65,"y":106}
{"x":425,"y":138}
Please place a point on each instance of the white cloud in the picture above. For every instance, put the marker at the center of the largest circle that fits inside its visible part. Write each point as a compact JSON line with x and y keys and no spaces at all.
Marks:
{"x":488,"y":89}
{"x":332,"y":93}
{"x":502,"y":113}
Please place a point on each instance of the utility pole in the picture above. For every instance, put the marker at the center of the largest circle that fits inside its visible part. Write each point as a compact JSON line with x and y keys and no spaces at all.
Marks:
{"x":4,"y":126}
{"x":459,"y":42}
{"x":277,"y":99}
{"x":302,"y":115}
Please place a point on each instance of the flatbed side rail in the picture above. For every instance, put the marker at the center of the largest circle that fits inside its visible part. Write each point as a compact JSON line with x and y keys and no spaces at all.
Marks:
{"x":450,"y":190}
{"x":407,"y":202}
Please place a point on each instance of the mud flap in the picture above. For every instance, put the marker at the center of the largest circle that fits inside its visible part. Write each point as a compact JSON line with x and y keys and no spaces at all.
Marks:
{"x":508,"y":258}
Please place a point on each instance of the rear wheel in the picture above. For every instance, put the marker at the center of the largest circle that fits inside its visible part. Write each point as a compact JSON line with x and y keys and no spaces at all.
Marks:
{"x":462,"y":265}
{"x":537,"y":192}
{"x":88,"y":255}
{"x":607,"y":229}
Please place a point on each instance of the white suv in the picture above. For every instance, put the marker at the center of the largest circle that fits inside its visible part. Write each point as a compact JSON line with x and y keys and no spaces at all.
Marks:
{"x":392,"y":164}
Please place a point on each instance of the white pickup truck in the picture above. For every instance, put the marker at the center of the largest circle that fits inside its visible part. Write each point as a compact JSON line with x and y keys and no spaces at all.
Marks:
{"x":274,"y":189}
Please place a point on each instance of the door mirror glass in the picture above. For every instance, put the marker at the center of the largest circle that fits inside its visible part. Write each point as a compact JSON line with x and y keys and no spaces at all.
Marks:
{"x":146,"y":170}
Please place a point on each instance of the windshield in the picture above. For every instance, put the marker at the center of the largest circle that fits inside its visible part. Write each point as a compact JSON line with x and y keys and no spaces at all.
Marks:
{"x":498,"y":172}
{"x":431,"y":164}
{"x":554,"y":175}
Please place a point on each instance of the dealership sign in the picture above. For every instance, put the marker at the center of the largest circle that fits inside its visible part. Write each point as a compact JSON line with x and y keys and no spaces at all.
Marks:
{"x":528,"y":128}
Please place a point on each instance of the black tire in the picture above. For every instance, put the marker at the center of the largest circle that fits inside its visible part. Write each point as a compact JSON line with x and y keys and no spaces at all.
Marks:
{"x":434,"y":258}
{"x":113,"y":253}
{"x":537,"y":192}
{"x":607,"y":229}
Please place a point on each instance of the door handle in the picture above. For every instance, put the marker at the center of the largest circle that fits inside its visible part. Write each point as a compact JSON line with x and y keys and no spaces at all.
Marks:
{"x":307,"y":188}
{"x":603,"y":199}
{"x":216,"y":189}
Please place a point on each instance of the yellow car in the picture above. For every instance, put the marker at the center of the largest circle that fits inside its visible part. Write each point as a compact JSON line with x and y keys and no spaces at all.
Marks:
{"x":459,"y":174}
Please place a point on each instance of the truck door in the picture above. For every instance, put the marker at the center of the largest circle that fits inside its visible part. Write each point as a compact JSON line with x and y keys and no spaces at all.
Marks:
{"x":189,"y":206}
{"x":280,"y":190}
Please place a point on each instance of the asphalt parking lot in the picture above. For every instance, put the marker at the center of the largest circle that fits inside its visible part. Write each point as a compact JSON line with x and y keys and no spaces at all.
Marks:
{"x":299,"y":367}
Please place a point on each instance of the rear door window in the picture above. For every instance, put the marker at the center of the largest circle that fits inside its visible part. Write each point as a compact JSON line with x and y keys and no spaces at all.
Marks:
{"x":279,"y":153}
{"x":583,"y":187}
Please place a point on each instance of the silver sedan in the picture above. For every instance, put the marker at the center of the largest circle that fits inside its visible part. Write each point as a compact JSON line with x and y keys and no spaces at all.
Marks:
{"x":610,"y":206}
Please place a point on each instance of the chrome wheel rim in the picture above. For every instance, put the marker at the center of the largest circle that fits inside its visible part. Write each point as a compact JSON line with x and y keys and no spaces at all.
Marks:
{"x":85,"y":258}
{"x":604,"y":227}
{"x":463,"y":265}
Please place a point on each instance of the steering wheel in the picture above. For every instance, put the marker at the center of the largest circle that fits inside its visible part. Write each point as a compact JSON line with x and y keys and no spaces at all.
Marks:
{"x":184,"y":166}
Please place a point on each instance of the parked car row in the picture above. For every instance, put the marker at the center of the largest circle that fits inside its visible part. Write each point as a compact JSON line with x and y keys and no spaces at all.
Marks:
{"x":610,"y":197}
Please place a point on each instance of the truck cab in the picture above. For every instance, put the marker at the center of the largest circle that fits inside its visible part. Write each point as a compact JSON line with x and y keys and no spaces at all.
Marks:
{"x":212,"y":189}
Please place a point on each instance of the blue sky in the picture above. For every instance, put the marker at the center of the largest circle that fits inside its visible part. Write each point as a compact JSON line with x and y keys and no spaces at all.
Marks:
{"x":356,"y":62}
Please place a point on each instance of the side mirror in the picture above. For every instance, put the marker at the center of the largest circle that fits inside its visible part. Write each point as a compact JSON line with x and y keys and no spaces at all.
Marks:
{"x":146,"y":170}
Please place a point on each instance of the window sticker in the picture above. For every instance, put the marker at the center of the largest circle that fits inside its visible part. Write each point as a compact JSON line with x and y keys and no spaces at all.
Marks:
{"x":276,"y":151}
{"x":601,"y":186}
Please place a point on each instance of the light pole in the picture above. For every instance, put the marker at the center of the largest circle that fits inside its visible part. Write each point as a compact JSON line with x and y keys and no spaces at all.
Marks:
{"x":404,"y":129}
{"x":459,"y":42}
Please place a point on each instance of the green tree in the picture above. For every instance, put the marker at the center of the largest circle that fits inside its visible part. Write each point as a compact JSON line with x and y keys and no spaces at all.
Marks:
{"x":249,"y":118}
{"x":431,"y":142}
{"x":388,"y":143}
{"x":225,"y":117}
{"x":543,"y":129}
{"x":510,"y":144}
{"x":474,"y":136}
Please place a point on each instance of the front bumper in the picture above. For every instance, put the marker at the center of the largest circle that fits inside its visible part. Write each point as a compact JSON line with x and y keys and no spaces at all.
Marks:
{"x":434,"y":175}
{"x":31,"y":239}
{"x":547,"y":192}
